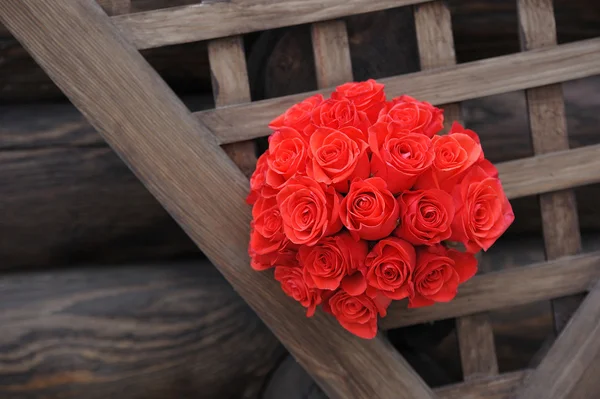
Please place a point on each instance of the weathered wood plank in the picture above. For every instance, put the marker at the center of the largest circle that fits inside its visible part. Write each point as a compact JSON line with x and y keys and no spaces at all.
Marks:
{"x":130,"y":331}
{"x":441,"y":86}
{"x":231,"y":86}
{"x":574,"y":351}
{"x":332,"y":53}
{"x":549,"y":133}
{"x":219,"y":19}
{"x":115,"y":7}
{"x":182,"y":165}
{"x":502,"y":386}
{"x":512,"y":287}
{"x":433,"y":25}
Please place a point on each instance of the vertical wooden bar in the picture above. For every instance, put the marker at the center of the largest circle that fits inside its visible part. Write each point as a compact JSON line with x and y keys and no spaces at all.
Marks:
{"x":231,"y":86}
{"x":549,"y":133}
{"x":436,"y":49}
{"x":332,"y":53}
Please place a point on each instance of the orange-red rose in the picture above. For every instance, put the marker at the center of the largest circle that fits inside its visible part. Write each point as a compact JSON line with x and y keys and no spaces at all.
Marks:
{"x":309,"y":210}
{"x":337,"y":114}
{"x":407,"y":114}
{"x":399,"y":158}
{"x":357,"y":314}
{"x":483,"y":212}
{"x":368,"y":97}
{"x":333,"y":261}
{"x":369,"y":211}
{"x":426,"y":216}
{"x":293,"y":284}
{"x":390,"y":265}
{"x":438,"y":273}
{"x":338,"y":156}
{"x":288,"y":153}
{"x":298,"y":116}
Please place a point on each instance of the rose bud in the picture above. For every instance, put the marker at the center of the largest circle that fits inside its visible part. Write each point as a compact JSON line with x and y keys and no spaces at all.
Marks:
{"x":367,"y":96}
{"x":425,"y":216}
{"x":483,"y":212}
{"x":293,"y":284}
{"x":438,"y":273}
{"x":369,"y":211}
{"x":390,"y":266}
{"x":309,"y":210}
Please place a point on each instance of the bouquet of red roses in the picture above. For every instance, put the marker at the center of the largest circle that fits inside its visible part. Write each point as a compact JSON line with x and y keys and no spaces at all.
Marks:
{"x":358,"y":201}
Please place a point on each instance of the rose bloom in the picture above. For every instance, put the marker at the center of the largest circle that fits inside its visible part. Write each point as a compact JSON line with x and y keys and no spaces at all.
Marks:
{"x":368,"y":97}
{"x":455,"y":153}
{"x":309,"y":210}
{"x":265,"y":260}
{"x":369,"y":211}
{"x":258,"y":180}
{"x":298,"y":116}
{"x":333,"y":261}
{"x":357,"y":314}
{"x":407,"y":114}
{"x":390,"y":266}
{"x":293,"y":284}
{"x":483,"y":212}
{"x":426,"y":216}
{"x":399,"y":158}
{"x":337,"y":114}
{"x":438,"y":273}
{"x":288,"y":154}
{"x":267,"y":227}
{"x":338,"y":156}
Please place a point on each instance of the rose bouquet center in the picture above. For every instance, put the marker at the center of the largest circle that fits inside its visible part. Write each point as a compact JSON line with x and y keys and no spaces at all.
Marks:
{"x":360,"y":201}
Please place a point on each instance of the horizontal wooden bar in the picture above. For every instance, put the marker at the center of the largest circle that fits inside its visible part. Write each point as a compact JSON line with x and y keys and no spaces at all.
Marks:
{"x":512,"y":287}
{"x":502,"y":386}
{"x":551,"y":172}
{"x":212,"y":20}
{"x":439,"y":86}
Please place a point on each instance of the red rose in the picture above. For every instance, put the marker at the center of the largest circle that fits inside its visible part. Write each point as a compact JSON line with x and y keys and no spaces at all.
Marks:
{"x":389,"y":268}
{"x":338,"y":156}
{"x":399,"y":158}
{"x":293,"y":284}
{"x":483,"y":212}
{"x":337,"y":114}
{"x":438,"y":273}
{"x":267,"y":232}
{"x":332,"y":261}
{"x":404,"y":113}
{"x":257,"y":180}
{"x":288,"y":154}
{"x":309,"y":211}
{"x":357,"y":314}
{"x":426,"y":216}
{"x":285,"y":255}
{"x":298,"y":116}
{"x":368,"y":97}
{"x":455,"y":153}
{"x":369,"y":211}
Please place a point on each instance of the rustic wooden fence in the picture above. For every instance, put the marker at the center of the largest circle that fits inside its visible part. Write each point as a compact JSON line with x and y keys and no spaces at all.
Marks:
{"x":94,"y":59}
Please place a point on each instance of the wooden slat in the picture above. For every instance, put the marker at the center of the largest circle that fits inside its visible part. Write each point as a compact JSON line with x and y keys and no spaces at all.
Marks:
{"x":433,"y":25}
{"x":502,"y":386}
{"x":227,"y":18}
{"x":506,"y":288}
{"x":332,"y":53}
{"x":574,"y":351}
{"x":231,"y":86}
{"x":115,"y":7}
{"x":182,"y":165}
{"x":549,"y":133}
{"x":550,"y":172}
{"x":452,"y":84}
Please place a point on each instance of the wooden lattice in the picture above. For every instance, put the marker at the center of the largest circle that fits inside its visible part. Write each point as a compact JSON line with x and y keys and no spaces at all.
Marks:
{"x":94,"y":59}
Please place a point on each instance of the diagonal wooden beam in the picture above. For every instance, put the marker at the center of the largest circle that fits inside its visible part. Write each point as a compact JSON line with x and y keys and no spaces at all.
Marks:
{"x":182,"y":165}
{"x":575,"y":350}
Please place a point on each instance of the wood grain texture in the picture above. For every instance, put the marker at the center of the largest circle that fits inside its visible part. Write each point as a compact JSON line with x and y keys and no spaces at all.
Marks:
{"x":231,"y":86}
{"x":452,"y":84}
{"x":182,"y":165}
{"x":67,"y":205}
{"x":550,"y":172}
{"x":130,"y":331}
{"x":476,"y":345}
{"x":506,"y":288}
{"x":502,"y":386}
{"x":548,"y":126}
{"x":575,"y":350}
{"x":220,"y":19}
{"x":115,"y":7}
{"x":332,"y":53}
